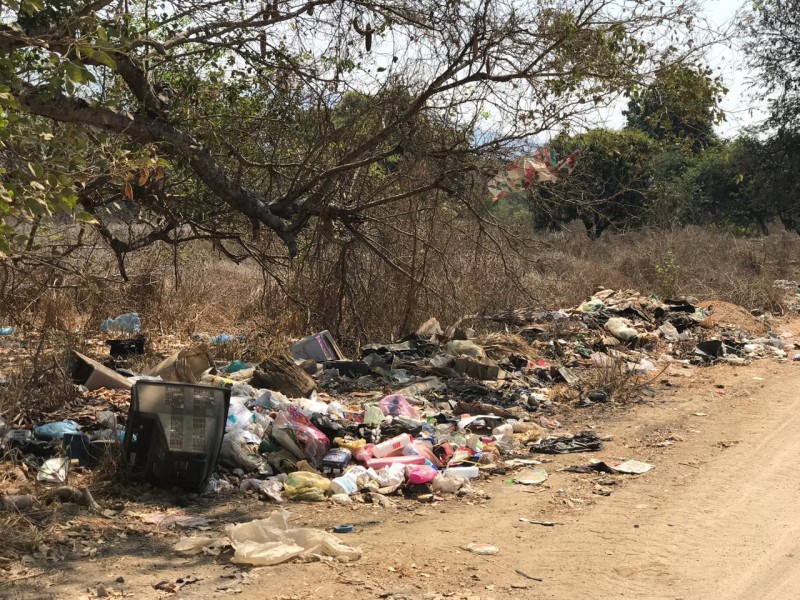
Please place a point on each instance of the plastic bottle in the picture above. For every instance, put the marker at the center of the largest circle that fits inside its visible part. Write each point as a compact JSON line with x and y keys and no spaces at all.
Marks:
{"x":396,"y":444}
{"x":348,"y":483}
{"x":344,"y":485}
{"x":465,"y":472}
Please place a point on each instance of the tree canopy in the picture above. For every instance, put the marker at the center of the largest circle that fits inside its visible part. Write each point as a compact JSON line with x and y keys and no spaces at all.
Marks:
{"x":681,"y":105}
{"x":206,"y":118}
{"x":774,"y":52}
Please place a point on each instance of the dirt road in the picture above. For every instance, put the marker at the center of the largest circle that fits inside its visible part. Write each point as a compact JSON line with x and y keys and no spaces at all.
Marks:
{"x":714,"y":519}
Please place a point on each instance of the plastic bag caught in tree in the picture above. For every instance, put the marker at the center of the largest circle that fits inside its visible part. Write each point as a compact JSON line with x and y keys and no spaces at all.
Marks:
{"x":528,"y":170}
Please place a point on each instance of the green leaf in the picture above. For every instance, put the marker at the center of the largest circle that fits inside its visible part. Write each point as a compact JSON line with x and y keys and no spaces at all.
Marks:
{"x":85,"y":217}
{"x":36,"y":170}
{"x":74,"y":72}
{"x":104,"y":59}
{"x":32,"y":6}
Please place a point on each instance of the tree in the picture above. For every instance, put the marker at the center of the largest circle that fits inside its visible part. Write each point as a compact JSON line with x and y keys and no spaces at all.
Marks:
{"x":680,"y":106}
{"x":610,"y":187}
{"x":774,"y":52}
{"x":775,"y":179}
{"x":215,"y":115}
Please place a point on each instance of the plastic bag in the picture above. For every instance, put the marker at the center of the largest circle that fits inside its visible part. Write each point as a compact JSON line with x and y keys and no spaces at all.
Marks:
{"x":447,"y":485}
{"x":56,"y":431}
{"x":270,"y":400}
{"x":106,"y":419}
{"x":271,"y":541}
{"x":236,"y":365}
{"x":54,"y":470}
{"x":397,"y":406}
{"x":504,"y":438}
{"x":303,"y":485}
{"x":418,"y":474}
{"x":215,"y":486}
{"x":239,"y":416}
{"x":390,"y":476}
{"x":126,"y":323}
{"x":373,"y":415}
{"x":269,"y":488}
{"x":296,"y":433}
{"x":310,"y":407}
{"x":465,"y":348}
{"x":235,"y":453}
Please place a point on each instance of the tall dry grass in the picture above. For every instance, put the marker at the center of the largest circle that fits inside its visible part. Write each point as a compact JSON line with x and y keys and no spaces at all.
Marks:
{"x":344,"y":287}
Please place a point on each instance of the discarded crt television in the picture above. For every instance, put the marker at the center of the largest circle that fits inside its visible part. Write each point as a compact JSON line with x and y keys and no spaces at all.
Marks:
{"x":174,"y":432}
{"x":320,"y":347}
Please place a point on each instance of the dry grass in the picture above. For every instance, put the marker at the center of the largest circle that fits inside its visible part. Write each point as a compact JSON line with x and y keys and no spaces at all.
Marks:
{"x":502,"y":345}
{"x":361,"y":299}
{"x":618,"y":380}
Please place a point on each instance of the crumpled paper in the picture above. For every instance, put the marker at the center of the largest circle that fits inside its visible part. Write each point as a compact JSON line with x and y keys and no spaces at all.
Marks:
{"x":269,"y":541}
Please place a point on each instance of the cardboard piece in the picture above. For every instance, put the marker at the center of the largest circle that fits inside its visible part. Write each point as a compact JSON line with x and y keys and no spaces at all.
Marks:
{"x":478,"y":369}
{"x":93,"y":375}
{"x":185,"y":366}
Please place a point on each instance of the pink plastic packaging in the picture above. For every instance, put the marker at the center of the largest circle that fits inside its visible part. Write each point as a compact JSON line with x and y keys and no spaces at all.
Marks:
{"x":292,"y":427}
{"x":379,"y":463}
{"x":421,"y":474}
{"x":421,"y":449}
{"x":397,"y":406}
{"x":364,"y":453}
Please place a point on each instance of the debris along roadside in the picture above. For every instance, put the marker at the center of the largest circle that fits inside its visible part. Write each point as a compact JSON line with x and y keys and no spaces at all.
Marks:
{"x":424,"y":416}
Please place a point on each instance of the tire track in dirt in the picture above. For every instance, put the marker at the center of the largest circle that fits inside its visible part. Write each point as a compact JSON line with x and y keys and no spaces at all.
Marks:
{"x":729,"y":533}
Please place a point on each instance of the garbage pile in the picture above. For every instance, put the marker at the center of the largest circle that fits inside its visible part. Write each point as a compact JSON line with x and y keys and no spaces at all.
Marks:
{"x":424,"y":415}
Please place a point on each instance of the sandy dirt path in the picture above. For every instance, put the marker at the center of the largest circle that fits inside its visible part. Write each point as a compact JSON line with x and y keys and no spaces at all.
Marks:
{"x":715,"y":519}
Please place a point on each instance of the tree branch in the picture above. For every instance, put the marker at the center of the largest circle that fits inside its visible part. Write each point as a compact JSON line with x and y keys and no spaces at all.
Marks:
{"x":147,"y":128}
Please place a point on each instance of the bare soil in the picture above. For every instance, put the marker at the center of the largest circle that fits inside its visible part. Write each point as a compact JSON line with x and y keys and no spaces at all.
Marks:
{"x":714,"y":519}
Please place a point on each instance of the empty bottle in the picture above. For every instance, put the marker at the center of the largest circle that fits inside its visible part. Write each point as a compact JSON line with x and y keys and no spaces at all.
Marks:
{"x":391,"y":446}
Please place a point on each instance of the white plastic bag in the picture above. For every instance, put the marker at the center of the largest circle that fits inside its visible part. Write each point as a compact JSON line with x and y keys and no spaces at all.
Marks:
{"x":270,"y":541}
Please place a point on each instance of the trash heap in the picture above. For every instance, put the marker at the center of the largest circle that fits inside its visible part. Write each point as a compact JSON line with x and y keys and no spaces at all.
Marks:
{"x":424,"y":415}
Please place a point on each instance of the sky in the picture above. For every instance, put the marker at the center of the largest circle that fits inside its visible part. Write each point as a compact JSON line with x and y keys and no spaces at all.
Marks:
{"x":741,"y":104}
